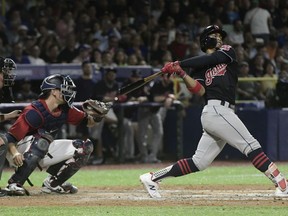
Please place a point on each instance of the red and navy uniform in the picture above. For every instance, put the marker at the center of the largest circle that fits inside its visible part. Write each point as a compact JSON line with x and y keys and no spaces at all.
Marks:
{"x":37,"y":116}
{"x":217,"y":72}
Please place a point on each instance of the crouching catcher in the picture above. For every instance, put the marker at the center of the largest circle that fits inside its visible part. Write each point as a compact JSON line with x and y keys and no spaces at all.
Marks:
{"x":31,"y":139}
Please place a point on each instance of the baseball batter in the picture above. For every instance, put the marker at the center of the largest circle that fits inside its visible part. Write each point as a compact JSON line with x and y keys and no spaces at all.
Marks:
{"x":215,"y":78}
{"x":31,"y":141}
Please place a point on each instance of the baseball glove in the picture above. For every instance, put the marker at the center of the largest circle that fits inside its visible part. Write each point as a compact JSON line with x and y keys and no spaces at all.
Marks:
{"x":96,"y":108}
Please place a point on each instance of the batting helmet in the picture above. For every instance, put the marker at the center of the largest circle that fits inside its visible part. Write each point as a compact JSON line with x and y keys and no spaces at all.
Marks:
{"x":64,"y":83}
{"x":6,"y":66}
{"x":207,"y":42}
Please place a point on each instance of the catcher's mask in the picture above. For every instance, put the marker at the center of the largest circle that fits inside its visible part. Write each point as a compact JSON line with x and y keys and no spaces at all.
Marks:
{"x":7,"y":66}
{"x":207,"y":42}
{"x":64,"y":83}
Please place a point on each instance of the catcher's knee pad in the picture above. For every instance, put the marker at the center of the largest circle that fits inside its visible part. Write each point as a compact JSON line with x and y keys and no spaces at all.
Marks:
{"x":84,"y":149}
{"x":37,"y":151}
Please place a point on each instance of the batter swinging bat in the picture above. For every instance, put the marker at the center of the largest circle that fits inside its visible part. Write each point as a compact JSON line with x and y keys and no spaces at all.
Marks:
{"x":133,"y":86}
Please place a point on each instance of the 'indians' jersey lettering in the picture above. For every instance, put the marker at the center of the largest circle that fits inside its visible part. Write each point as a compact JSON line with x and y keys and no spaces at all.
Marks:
{"x":218,"y":70}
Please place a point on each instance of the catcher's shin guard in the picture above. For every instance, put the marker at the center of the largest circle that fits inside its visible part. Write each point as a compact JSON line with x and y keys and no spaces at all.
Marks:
{"x":64,"y":170}
{"x":37,"y":151}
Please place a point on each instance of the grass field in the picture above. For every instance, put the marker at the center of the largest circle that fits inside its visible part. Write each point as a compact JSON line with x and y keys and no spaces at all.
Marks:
{"x":223,"y":189}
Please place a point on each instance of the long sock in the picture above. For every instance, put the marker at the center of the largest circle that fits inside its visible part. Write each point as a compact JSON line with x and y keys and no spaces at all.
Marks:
{"x":276,"y":177}
{"x":180,"y":168}
{"x":264,"y":164}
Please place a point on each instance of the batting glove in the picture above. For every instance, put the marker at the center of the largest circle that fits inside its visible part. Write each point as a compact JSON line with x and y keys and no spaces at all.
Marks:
{"x":178,"y":70}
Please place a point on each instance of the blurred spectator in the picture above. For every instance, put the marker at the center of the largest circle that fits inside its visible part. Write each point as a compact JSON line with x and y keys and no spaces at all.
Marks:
{"x":162,"y":92}
{"x":107,"y":59}
{"x":280,"y":60}
{"x":4,"y":38}
{"x":130,"y":124}
{"x":70,"y":51}
{"x":22,"y":33}
{"x":13,"y":21}
{"x":281,"y":19}
{"x":5,"y":50}
{"x":18,"y":55}
{"x":83,"y":54}
{"x":137,"y":47}
{"x":96,"y":58}
{"x":159,"y":48}
{"x":157,"y":7}
{"x":247,"y":90}
{"x":65,"y":26}
{"x":257,"y":65}
{"x":236,"y":36}
{"x":113,"y":44}
{"x":178,"y":47}
{"x":250,"y":45}
{"x":190,"y":26}
{"x":85,"y":82}
{"x":170,"y":28}
{"x":104,"y":30}
{"x":133,"y":60}
{"x":282,"y":89}
{"x":34,"y":56}
{"x":268,"y":87}
{"x":243,"y":7}
{"x":50,"y":54}
{"x":172,"y":9}
{"x":84,"y":86}
{"x":120,"y":57}
{"x":166,"y":57}
{"x":241,"y":53}
{"x":258,"y":21}
{"x":106,"y":90}
{"x":193,"y":50}
{"x":25,"y":93}
{"x":230,"y":13}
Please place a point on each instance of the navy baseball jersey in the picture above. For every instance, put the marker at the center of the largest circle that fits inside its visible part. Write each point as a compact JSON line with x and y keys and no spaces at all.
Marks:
{"x":217,"y":72}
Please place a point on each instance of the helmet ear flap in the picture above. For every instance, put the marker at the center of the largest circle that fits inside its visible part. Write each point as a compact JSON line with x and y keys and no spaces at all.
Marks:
{"x":208,"y":43}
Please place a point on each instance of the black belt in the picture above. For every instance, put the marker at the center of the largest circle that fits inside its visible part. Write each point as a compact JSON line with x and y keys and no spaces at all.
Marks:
{"x":221,"y":102}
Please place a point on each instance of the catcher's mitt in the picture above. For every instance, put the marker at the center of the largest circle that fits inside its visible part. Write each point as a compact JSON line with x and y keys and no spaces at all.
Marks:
{"x":96,"y":108}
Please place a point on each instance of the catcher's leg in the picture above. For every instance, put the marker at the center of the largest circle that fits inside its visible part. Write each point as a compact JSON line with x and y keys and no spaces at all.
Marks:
{"x":64,"y":170}
{"x":36,"y":152}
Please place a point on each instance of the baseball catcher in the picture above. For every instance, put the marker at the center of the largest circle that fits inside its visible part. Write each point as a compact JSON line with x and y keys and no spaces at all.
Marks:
{"x":32,"y":143}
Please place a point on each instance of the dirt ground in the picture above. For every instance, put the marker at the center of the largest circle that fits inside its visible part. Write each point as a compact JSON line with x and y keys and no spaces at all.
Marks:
{"x":220,"y":195}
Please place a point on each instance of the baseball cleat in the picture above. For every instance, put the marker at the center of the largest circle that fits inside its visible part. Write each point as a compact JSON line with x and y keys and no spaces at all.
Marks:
{"x":280,"y":193}
{"x":150,"y":186}
{"x":15,"y":189}
{"x":65,"y":188}
{"x":3,"y":193}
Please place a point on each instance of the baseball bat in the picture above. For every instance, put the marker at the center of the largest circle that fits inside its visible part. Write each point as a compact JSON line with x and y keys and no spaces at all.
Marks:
{"x":133,"y":86}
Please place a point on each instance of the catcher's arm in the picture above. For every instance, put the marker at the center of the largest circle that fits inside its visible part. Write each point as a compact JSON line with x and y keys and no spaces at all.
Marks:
{"x":95,"y":110}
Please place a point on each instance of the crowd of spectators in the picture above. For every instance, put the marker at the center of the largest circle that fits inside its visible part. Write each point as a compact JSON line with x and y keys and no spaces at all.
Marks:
{"x":127,"y":32}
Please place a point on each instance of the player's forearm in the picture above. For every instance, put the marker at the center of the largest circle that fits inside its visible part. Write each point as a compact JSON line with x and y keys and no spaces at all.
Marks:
{"x":194,"y":86}
{"x":12,"y":149}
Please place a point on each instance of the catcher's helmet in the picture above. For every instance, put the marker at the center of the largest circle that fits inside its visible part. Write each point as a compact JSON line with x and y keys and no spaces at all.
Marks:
{"x":64,"y":83}
{"x":207,"y":42}
{"x":6,"y":67}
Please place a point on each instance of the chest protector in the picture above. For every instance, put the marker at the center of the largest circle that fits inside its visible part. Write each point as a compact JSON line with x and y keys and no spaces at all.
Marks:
{"x":51,"y":123}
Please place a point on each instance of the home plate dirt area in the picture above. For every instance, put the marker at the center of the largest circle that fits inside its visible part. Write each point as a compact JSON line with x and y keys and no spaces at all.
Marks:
{"x":218,"y":195}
